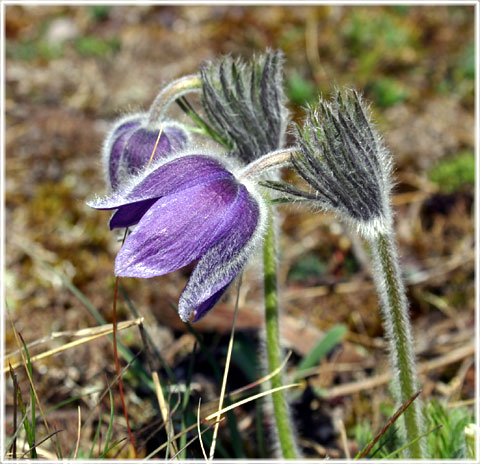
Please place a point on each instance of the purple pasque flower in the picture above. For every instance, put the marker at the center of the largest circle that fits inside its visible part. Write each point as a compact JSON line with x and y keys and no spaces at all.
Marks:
{"x":187,"y":208}
{"x":129,"y":147}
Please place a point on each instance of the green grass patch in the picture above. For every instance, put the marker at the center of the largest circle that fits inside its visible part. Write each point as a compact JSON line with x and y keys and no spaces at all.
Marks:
{"x":453,"y":174}
{"x":365,"y":29}
{"x":305,"y":268}
{"x":449,"y":441}
{"x":93,"y":46}
{"x":300,"y":91}
{"x":466,"y":62}
{"x":99,"y":12}
{"x":388,"y":92}
{"x":34,"y":49}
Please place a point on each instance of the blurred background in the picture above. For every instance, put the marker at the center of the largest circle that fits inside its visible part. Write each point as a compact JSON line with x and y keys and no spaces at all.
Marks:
{"x":72,"y":70}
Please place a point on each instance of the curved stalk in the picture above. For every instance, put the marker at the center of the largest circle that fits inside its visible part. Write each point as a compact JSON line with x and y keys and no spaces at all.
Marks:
{"x":397,"y":326}
{"x":170,"y":93}
{"x":275,"y":159}
{"x":274,"y":352}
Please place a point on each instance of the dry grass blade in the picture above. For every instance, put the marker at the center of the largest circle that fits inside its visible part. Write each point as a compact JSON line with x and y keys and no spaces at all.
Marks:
{"x":78,"y":433}
{"x":225,"y":374}
{"x":389,"y":423}
{"x":155,"y":146}
{"x":196,"y":437}
{"x":200,"y":430}
{"x":165,"y":414}
{"x":267,"y":377}
{"x":100,"y":329}
{"x":343,"y":437}
{"x":250,"y":398}
{"x":104,"y":329}
{"x":459,"y":404}
{"x":222,"y":411}
{"x":254,"y":384}
{"x":97,"y":332}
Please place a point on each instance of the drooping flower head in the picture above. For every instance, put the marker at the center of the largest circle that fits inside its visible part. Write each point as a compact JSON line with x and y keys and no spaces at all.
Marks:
{"x":134,"y":142}
{"x":187,"y":208}
{"x":245,"y":103}
{"x":342,"y":157}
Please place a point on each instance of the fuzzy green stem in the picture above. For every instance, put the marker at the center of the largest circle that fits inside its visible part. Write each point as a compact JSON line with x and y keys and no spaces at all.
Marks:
{"x":397,"y":326}
{"x":274,"y":352}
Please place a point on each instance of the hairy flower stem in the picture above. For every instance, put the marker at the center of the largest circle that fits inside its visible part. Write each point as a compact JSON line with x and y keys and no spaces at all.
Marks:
{"x":397,"y":325}
{"x":170,"y":93}
{"x":274,"y":352}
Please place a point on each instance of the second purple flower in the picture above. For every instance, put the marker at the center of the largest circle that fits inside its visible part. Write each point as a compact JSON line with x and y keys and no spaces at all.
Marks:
{"x":133,"y":143}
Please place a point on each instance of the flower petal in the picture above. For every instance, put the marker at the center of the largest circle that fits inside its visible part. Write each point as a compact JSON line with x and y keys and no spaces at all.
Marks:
{"x":219,"y":266}
{"x":202,"y":309}
{"x":129,"y":215}
{"x":139,"y":149}
{"x":128,"y":123}
{"x":178,"y":229}
{"x":178,"y":175}
{"x":176,"y":136}
{"x":115,"y":149}
{"x":171,"y":177}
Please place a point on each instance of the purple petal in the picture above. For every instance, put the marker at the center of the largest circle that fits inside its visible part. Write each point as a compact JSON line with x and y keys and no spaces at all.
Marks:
{"x":219,"y":266}
{"x":203,"y":308}
{"x":139,"y":148}
{"x":169,"y":178}
{"x":178,"y":229}
{"x":177,"y":138}
{"x":119,"y":139}
{"x":127,"y":124}
{"x":129,"y":215}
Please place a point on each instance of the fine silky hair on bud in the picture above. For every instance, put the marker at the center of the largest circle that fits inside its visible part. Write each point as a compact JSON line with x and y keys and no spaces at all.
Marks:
{"x":245,"y":102}
{"x":344,"y":161}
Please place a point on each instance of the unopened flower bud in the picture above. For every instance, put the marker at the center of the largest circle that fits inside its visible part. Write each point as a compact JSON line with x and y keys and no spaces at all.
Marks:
{"x":343,"y":159}
{"x":246,"y":103}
